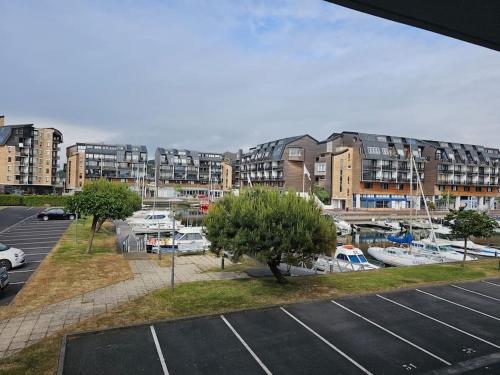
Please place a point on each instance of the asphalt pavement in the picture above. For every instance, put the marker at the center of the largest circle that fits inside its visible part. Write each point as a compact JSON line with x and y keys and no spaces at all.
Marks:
{"x":446,"y":329}
{"x":36,"y":238}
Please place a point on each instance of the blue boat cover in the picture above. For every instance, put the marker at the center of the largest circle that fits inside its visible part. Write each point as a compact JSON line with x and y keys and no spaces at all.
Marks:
{"x":407,"y":238}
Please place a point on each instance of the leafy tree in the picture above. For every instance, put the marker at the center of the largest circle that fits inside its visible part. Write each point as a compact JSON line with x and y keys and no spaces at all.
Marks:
{"x":445,"y":199}
{"x":431,"y":205}
{"x":276,"y":226}
{"x":321,"y":193}
{"x":104,"y":200}
{"x":467,"y":223}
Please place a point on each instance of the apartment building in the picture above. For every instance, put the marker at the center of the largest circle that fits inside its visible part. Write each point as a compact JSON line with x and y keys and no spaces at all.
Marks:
{"x":188,"y":167}
{"x":28,"y":158}
{"x":115,"y":162}
{"x":368,"y":171}
{"x":278,"y":163}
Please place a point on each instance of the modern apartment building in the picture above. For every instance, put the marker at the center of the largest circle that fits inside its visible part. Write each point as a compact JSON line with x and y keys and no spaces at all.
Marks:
{"x":280,"y":163}
{"x":363,"y":171}
{"x":115,"y":162}
{"x":188,"y":167}
{"x":28,"y":158}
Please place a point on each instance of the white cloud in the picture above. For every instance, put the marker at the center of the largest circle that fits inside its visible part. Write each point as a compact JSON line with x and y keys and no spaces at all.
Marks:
{"x":229,"y":74}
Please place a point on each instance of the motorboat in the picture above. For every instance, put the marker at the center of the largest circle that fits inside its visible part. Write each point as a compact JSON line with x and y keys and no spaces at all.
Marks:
{"x":439,"y":248}
{"x":343,"y":227}
{"x":389,"y":225}
{"x":191,"y":239}
{"x":441,"y":230}
{"x":401,"y":256}
{"x":346,"y":258}
{"x":157,"y":220}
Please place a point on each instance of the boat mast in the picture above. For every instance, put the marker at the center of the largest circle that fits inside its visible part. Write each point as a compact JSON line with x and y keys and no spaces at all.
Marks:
{"x":411,"y":189}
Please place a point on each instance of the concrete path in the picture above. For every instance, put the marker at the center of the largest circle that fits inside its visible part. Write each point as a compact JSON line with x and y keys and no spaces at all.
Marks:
{"x":26,"y":329}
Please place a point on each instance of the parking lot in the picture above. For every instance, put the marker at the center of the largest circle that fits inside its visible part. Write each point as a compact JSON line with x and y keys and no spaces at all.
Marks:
{"x":450,"y":329}
{"x":36,"y":238}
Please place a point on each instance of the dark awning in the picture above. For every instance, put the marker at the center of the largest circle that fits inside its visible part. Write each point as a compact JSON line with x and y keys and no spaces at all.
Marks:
{"x":474,"y":21}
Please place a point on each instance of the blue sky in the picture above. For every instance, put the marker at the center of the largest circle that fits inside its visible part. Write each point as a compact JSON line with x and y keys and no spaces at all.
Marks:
{"x":228,"y":74}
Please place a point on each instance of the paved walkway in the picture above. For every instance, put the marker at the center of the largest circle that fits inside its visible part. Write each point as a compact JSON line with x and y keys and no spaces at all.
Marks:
{"x":26,"y":329}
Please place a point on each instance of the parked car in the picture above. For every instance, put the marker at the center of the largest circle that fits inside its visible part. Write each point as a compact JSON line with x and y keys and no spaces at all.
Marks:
{"x":55,"y":214}
{"x":10,"y":257}
{"x":4,"y":278}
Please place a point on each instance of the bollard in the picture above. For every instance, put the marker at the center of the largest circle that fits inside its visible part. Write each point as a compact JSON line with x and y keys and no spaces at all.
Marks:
{"x":222,"y":262}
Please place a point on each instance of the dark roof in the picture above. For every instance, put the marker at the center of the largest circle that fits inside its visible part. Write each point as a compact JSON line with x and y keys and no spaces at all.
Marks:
{"x":473,"y":21}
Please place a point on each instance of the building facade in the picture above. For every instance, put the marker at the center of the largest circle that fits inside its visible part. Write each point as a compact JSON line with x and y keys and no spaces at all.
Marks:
{"x":188,"y":167}
{"x":280,"y":163}
{"x":115,"y":162}
{"x":29,"y":158}
{"x":369,"y":171}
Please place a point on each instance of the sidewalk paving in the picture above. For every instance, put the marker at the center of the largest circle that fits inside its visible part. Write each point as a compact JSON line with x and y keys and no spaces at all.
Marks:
{"x":26,"y":329}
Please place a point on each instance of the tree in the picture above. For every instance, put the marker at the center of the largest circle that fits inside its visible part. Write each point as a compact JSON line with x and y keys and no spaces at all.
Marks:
{"x":104,"y":200}
{"x":467,"y":223}
{"x":277,"y":226}
{"x":444,"y":200}
{"x":321,"y":193}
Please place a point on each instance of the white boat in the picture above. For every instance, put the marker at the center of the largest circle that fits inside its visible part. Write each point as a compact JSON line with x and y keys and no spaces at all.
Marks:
{"x":441,"y":230}
{"x":343,"y":227}
{"x":191,"y":239}
{"x":440,"y":249}
{"x":473,"y":248}
{"x":389,"y":225}
{"x":346,"y":258}
{"x":159,"y":220}
{"x":400,"y":256}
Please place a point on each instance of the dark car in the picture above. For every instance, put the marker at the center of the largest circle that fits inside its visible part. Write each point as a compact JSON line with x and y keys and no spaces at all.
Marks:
{"x":4,"y":277}
{"x":55,"y":214}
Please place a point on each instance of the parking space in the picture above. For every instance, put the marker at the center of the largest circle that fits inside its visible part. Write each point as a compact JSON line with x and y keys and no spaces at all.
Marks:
{"x":36,"y":238}
{"x":12,"y":215}
{"x":438,"y":330}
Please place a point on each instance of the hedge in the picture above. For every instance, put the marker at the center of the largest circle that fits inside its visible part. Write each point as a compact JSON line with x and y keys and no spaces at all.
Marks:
{"x":32,"y":200}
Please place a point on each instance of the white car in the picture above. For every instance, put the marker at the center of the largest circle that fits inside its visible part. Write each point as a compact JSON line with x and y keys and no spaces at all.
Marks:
{"x":10,"y":257}
{"x":4,"y":278}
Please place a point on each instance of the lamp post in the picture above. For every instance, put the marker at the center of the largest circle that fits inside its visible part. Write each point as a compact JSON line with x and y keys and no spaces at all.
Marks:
{"x":172,"y":275}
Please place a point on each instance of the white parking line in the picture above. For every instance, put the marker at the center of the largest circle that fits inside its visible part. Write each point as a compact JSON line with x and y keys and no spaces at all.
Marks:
{"x":21,"y":271}
{"x":489,"y":282}
{"x":394,"y":334}
{"x":34,"y":261}
{"x":27,"y":243}
{"x":19,"y":239}
{"x":36,"y":253}
{"x":257,"y":359}
{"x":459,"y":305}
{"x":37,"y":247}
{"x":20,"y":282}
{"x":326,"y":342}
{"x":439,"y":321}
{"x":479,"y":294}
{"x":158,"y":349}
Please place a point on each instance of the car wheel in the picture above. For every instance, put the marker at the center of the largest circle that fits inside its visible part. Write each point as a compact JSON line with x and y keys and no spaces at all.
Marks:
{"x":72,"y":217}
{"x":45,"y":218}
{"x":5,"y":263}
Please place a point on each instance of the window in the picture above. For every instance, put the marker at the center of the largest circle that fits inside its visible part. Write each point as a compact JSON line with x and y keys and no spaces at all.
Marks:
{"x":320,"y":167}
{"x":9,"y":159}
{"x":454,"y":188}
{"x":466,"y":188}
{"x":400,"y":186}
{"x":367,"y":185}
{"x":489,"y":189}
{"x":373,"y":150}
{"x":441,"y":188}
{"x":478,"y":188}
{"x":384,"y":186}
{"x":294,"y":151}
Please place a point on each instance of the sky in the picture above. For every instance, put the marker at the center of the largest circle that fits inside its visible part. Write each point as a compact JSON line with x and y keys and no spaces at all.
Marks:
{"x":228,"y":74}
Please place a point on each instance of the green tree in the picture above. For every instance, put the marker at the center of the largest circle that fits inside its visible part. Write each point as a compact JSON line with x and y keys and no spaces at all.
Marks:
{"x":104,"y":200}
{"x":467,"y":223}
{"x":445,"y":200}
{"x":321,"y":193}
{"x":276,"y":226}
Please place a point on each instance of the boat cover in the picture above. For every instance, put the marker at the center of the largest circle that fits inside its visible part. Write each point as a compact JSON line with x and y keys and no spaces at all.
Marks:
{"x":407,"y":238}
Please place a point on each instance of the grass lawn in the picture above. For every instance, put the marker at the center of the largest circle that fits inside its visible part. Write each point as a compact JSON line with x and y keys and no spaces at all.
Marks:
{"x":200,"y":298}
{"x":68,"y":270}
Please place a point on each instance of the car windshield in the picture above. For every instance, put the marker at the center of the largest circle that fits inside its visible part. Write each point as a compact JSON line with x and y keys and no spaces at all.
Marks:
{"x":4,"y":247}
{"x":354,"y":259}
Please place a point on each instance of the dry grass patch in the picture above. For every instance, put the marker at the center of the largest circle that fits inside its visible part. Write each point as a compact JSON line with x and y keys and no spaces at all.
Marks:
{"x":69,"y":271}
